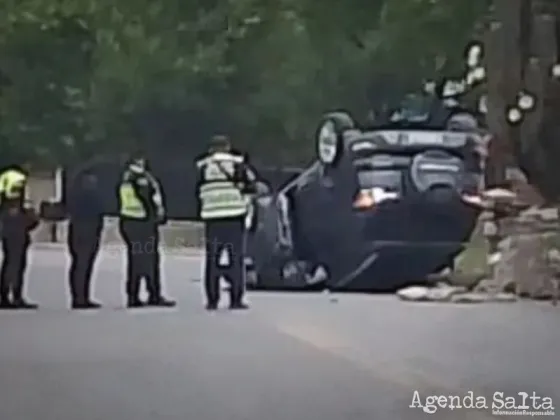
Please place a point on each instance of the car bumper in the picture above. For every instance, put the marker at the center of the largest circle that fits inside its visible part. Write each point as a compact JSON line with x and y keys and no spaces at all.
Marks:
{"x":404,"y":242}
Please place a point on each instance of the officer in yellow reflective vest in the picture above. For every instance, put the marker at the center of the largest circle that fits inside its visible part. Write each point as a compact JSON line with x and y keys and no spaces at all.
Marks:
{"x":17,"y":222}
{"x":142,"y":211}
{"x":223,"y":183}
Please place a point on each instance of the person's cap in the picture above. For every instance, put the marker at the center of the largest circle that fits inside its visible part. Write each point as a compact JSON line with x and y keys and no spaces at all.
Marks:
{"x":136,"y":159}
{"x":136,"y":156}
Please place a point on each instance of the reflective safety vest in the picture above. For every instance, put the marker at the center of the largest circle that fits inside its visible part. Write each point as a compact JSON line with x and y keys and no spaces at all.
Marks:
{"x":12,"y":184}
{"x":130,"y":204}
{"x":219,"y":195}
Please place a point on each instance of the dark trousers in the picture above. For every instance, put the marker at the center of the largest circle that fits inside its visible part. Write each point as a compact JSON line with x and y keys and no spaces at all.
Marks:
{"x":83,"y":243}
{"x":143,"y":258}
{"x":224,"y":234}
{"x":14,"y":264}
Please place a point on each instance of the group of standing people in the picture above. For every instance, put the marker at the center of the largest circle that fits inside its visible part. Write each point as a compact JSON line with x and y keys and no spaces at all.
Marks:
{"x":141,"y":212}
{"x":225,"y":183}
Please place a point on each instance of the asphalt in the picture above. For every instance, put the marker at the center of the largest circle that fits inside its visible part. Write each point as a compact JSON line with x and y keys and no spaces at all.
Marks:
{"x":291,"y":357}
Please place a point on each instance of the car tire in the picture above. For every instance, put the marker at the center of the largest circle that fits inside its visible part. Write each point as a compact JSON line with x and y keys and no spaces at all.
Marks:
{"x":337,"y":123}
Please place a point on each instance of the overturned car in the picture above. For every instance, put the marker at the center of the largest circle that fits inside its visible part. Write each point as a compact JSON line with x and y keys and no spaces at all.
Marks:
{"x":380,"y":209}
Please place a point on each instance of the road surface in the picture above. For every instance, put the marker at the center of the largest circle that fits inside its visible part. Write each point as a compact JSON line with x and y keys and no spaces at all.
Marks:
{"x":292,"y":357}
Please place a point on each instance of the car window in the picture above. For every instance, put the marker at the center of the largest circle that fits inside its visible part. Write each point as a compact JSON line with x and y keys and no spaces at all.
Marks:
{"x":381,"y":170}
{"x":389,"y":179}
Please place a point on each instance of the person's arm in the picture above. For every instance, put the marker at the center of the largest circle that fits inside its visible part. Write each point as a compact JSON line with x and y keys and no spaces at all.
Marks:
{"x":2,"y":187}
{"x":247,"y":177}
{"x":31,"y":219}
{"x":99,"y":200}
{"x":199,"y":181}
{"x":199,"y":169}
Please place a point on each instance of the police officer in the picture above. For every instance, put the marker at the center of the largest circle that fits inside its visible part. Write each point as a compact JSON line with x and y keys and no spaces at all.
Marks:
{"x":85,"y":214}
{"x":223,"y":184}
{"x":17,"y":222}
{"x":141,"y":212}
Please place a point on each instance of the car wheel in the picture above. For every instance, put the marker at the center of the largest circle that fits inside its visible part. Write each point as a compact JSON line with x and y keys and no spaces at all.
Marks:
{"x":329,"y":137}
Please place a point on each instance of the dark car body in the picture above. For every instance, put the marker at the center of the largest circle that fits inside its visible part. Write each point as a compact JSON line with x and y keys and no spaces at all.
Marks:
{"x":384,"y":213}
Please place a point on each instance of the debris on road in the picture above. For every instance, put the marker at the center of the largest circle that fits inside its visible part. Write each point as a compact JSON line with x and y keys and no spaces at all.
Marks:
{"x":455,"y":294}
{"x":483,"y":297}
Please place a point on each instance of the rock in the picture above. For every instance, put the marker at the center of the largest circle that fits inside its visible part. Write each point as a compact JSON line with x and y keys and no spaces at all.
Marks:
{"x":455,"y":294}
{"x":524,"y":262}
{"x":554,"y":255}
{"x":515,"y":174}
{"x":442,"y":293}
{"x":485,"y":286}
{"x":485,"y":216}
{"x":489,"y":228}
{"x":440,"y":278}
{"x":554,"y":263}
{"x":492,"y":286}
{"x":519,"y":183}
{"x":503,"y":269}
{"x":467,"y":280}
{"x":494,"y":259}
{"x":529,"y":267}
{"x":548,"y":214}
{"x":503,"y":297}
{"x":470,"y":298}
{"x":505,"y":244}
{"x":475,"y":200}
{"x":413,"y":294}
{"x":499,"y":194}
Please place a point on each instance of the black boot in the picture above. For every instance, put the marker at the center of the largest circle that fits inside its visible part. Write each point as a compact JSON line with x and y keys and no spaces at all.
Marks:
{"x":134,"y":303}
{"x":161,"y":302}
{"x":6,"y":303}
{"x":84,"y":305}
{"x":238,"y":306}
{"x":21,"y":303}
{"x":211,"y":306}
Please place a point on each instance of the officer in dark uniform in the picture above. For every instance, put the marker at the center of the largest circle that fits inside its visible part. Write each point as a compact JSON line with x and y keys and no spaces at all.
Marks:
{"x":223,"y":185}
{"x":17,"y":222}
{"x":85,"y":213}
{"x":142,"y":211}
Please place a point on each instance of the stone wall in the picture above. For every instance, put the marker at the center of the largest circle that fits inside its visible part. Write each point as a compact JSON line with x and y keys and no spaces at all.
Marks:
{"x":523,"y":259}
{"x":526,"y":260}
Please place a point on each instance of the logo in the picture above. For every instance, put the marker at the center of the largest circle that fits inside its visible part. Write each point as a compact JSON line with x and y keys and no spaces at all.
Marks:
{"x":501,"y":404}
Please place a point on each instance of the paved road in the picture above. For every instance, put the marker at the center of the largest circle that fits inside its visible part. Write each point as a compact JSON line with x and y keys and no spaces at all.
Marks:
{"x":292,"y":357}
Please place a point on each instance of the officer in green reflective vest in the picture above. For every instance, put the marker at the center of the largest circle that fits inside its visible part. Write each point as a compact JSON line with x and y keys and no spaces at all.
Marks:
{"x":17,"y":222}
{"x":142,"y":211}
{"x":223,"y":184}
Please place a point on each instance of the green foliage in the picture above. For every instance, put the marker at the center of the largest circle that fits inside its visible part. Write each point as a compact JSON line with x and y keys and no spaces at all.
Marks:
{"x":85,"y":77}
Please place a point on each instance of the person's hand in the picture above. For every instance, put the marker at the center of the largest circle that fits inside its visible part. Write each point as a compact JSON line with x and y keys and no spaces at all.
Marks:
{"x":161,"y":218}
{"x":31,"y":219}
